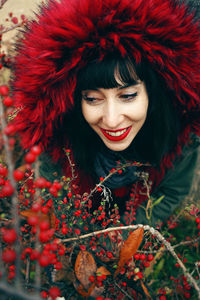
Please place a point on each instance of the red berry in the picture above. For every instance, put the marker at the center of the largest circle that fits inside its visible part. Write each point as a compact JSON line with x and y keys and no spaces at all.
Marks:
{"x":91,"y":278}
{"x":11,"y":275}
{"x":187,"y":287}
{"x":2,"y":181}
{"x":44,"y":225}
{"x":30,"y":157}
{"x":8,"y":101}
{"x":61,"y":251}
{"x":14,"y":20}
{"x":8,"y":255}
{"x":44,"y":209}
{"x":40,"y":183}
{"x":9,"y":130}
{"x":109,"y":254}
{"x":177,"y":265}
{"x":4,"y":90}
{"x":58,"y":265}
{"x":34,"y":255}
{"x":36,"y":150}
{"x":197,"y":220}
{"x":146,"y":264}
{"x":12,"y":142}
{"x":54,"y":292}
{"x":69,"y":194}
{"x":140,"y":275}
{"x":28,"y":250}
{"x":43,"y":294}
{"x":3,"y":171}
{"x":142,"y":256}
{"x":33,"y":220}
{"x":65,"y":230}
{"x":43,"y":236}
{"x":57,"y":185}
{"x":23,"y":17}
{"x":162,"y":297}
{"x":77,"y":231}
{"x":18,"y":175}
{"x":187,"y":295}
{"x":53,"y":191}
{"x":7,"y":190}
{"x":9,"y":235}
{"x":137,"y":256}
{"x":50,"y":203}
{"x":44,"y":260}
{"x":150,"y":257}
{"x":36,"y":206}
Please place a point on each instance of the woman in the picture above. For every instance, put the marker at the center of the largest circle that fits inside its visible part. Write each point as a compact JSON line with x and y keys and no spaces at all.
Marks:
{"x":114,"y":81}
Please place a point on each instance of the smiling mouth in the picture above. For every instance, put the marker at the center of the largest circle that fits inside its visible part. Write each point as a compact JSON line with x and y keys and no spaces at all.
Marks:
{"x":116,"y":135}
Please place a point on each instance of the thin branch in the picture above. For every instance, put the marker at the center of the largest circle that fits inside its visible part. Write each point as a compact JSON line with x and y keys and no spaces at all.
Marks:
{"x":124,"y":292}
{"x":11,"y":28}
{"x":174,"y":246}
{"x":2,"y":3}
{"x":129,"y":164}
{"x":10,"y":290}
{"x":14,"y":209}
{"x":37,"y":243}
{"x":155,"y":233}
{"x":186,"y":243}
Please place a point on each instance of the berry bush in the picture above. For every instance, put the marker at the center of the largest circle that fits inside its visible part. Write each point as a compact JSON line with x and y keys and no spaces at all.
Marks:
{"x":55,"y":245}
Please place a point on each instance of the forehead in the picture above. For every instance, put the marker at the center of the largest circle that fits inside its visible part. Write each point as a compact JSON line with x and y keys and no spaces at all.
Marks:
{"x":121,"y":87}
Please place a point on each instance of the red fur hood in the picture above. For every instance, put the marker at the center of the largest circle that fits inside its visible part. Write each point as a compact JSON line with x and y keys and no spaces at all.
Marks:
{"x":66,"y":34}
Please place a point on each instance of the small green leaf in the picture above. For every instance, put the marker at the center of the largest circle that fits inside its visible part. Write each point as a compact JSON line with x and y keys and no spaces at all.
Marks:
{"x":159,"y":267}
{"x":32,"y":275}
{"x":158,"y":201}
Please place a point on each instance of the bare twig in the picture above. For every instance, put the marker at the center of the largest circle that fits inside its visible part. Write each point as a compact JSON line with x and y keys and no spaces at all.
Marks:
{"x":5,"y":30}
{"x":10,"y":290}
{"x":14,"y":209}
{"x":155,"y":233}
{"x":37,"y":243}
{"x":2,"y":2}
{"x":174,"y":246}
{"x":124,"y":292}
{"x":129,"y":164}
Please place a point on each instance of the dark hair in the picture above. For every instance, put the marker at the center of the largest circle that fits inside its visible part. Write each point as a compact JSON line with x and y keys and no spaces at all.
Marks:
{"x":160,"y":130}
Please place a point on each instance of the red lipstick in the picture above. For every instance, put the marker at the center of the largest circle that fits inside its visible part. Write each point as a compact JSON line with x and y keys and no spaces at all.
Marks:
{"x":116,"y":138}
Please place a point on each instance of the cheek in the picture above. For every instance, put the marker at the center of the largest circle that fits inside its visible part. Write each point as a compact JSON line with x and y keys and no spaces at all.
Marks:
{"x":89,"y":114}
{"x":139,"y":113}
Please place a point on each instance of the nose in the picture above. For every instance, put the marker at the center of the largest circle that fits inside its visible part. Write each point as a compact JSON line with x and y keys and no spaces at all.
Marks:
{"x":112,"y":115}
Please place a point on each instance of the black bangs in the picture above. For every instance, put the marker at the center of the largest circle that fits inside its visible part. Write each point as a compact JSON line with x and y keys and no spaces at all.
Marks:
{"x":113,"y":71}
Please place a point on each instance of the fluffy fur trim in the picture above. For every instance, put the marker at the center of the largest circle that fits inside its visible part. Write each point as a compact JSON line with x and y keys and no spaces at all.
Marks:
{"x":64,"y":38}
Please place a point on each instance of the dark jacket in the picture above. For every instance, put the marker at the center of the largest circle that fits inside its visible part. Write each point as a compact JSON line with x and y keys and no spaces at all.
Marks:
{"x":65,"y":37}
{"x":173,"y":188}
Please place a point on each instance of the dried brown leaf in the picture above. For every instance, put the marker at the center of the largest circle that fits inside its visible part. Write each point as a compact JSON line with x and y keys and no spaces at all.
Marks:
{"x":103,"y":271}
{"x":129,"y":248}
{"x":80,"y":289}
{"x":49,"y":217}
{"x":66,"y":273}
{"x":145,"y":290}
{"x":85,"y":266}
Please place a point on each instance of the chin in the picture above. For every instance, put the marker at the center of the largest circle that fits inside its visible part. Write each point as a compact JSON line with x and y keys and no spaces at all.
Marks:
{"x":117,"y":147}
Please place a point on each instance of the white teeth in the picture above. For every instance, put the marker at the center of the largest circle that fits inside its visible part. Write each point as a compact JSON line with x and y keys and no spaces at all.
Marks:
{"x":118,"y":133}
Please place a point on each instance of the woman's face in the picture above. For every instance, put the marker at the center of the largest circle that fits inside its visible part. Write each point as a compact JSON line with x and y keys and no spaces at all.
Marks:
{"x":116,"y":114}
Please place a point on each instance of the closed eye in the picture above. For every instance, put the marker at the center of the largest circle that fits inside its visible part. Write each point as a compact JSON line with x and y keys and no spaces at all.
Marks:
{"x":89,"y":99}
{"x":129,"y":96}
